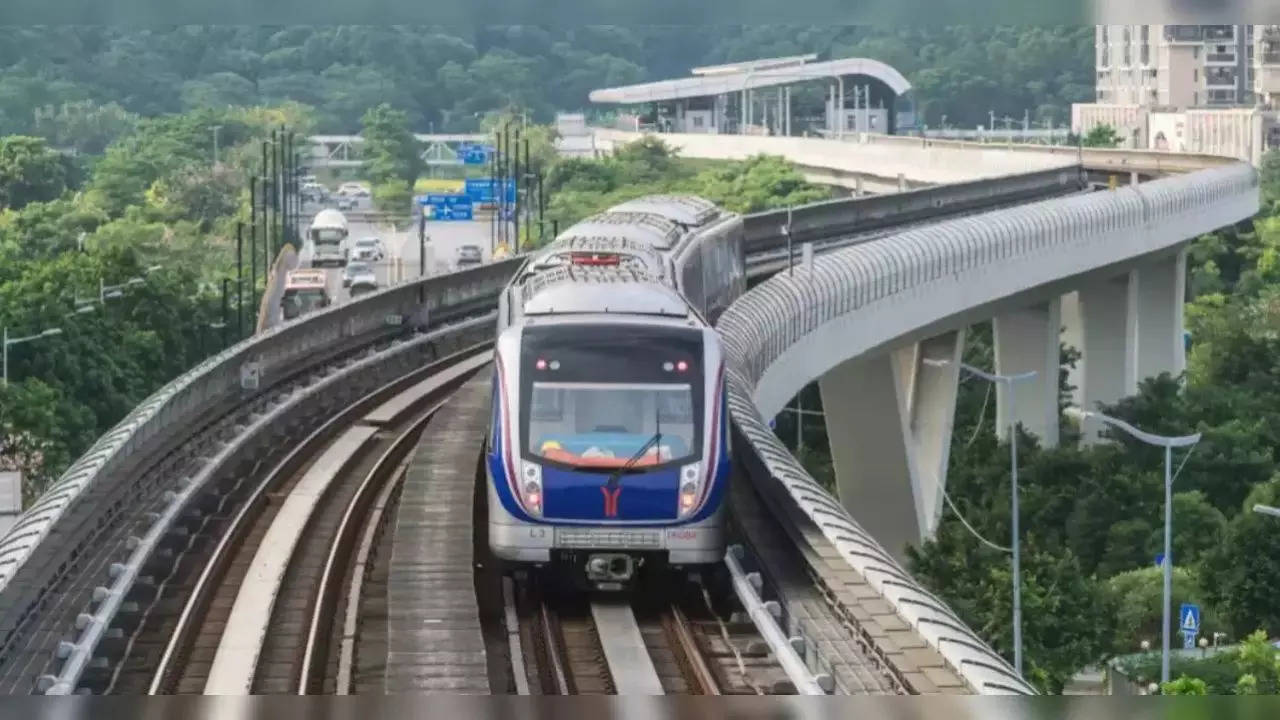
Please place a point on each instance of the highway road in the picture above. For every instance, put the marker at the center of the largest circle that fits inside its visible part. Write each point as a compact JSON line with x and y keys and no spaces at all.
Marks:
{"x":403,"y":247}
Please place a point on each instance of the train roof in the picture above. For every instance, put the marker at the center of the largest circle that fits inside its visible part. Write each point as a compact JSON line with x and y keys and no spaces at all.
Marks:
{"x":651,"y":229}
{"x":687,"y":210}
{"x":577,"y":289}
{"x":598,"y":252}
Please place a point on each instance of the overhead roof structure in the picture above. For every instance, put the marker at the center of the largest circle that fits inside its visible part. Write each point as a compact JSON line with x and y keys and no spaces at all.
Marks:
{"x":737,"y":80}
{"x":765,"y":64}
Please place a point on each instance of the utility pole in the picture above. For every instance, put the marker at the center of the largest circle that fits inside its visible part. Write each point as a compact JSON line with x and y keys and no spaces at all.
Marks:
{"x":216,"y":128}
{"x":529,"y":203}
{"x":493,"y":175}
{"x":239,"y":280}
{"x":226,"y":282}
{"x":505,"y":163}
{"x":253,"y":239}
{"x":515,"y":211}
{"x":266,"y":227}
{"x":542,"y":207}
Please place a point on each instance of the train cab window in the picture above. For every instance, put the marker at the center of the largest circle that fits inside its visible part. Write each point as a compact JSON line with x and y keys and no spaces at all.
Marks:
{"x":596,"y":396}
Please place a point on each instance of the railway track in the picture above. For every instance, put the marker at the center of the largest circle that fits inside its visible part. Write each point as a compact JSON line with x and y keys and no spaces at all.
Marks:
{"x":669,"y":641}
{"x":222,"y":455}
{"x":263,"y":614}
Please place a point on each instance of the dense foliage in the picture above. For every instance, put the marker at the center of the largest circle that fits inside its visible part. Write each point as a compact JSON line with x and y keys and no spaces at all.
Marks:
{"x":579,"y":188}
{"x":155,"y":224}
{"x":98,"y":77}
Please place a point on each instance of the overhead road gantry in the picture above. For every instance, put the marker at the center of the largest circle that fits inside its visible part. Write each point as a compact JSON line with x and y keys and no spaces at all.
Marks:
{"x":861,"y":95}
{"x":345,"y":150}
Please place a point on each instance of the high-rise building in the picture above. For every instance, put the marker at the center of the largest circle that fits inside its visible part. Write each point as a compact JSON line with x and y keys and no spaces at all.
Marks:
{"x":1266,"y":65}
{"x":1187,"y":66}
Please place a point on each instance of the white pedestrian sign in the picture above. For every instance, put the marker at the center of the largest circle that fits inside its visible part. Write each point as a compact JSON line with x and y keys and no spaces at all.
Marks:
{"x":1190,"y":619}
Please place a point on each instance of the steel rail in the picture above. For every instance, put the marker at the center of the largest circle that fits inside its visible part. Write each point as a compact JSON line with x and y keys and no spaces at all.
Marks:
{"x":212,"y":570}
{"x":792,"y":665}
{"x":698,"y":668}
{"x":355,"y":591}
{"x":382,"y":473}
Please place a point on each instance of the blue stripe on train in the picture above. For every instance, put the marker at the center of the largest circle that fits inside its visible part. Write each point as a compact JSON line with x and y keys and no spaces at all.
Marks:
{"x":575,"y":495}
{"x":498,"y":475}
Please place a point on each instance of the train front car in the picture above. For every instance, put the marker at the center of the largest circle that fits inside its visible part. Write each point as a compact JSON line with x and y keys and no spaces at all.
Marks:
{"x":609,"y":453}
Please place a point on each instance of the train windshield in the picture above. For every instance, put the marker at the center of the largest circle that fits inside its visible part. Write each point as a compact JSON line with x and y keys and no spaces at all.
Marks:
{"x":596,"y":396}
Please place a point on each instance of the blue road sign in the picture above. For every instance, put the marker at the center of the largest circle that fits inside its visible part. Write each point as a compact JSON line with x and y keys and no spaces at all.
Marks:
{"x":1189,"y":619}
{"x":484,"y":190}
{"x":1160,"y":560}
{"x":470,"y":154}
{"x":448,"y":207}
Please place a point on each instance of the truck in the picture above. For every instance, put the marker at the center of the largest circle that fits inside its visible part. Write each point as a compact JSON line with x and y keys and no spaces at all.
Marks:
{"x":328,"y":237}
{"x":304,"y":291}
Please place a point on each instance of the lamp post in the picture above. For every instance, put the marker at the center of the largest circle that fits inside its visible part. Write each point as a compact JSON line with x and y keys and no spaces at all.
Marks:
{"x":4,"y":379}
{"x":1267,"y":510}
{"x":1168,"y":443}
{"x":215,"y":129}
{"x":1010,"y":382}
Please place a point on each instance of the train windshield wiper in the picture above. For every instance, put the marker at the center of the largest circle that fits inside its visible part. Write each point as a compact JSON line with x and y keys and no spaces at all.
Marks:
{"x":617,"y":474}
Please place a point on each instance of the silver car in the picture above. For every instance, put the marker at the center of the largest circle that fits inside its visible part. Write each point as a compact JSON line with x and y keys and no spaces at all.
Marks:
{"x":359,"y":274}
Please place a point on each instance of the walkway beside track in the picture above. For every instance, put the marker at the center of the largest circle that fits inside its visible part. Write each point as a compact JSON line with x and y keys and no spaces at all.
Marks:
{"x":434,"y":640}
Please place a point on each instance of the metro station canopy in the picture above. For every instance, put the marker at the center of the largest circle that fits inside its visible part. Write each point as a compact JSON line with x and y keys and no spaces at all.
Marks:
{"x":867,"y":89}
{"x":722,"y":79}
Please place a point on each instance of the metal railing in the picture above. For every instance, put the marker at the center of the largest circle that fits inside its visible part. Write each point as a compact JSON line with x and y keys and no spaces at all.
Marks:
{"x":94,"y":489}
{"x":775,"y":330}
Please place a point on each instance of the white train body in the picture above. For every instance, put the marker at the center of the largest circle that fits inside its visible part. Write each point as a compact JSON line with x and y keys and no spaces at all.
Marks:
{"x":609,"y":445}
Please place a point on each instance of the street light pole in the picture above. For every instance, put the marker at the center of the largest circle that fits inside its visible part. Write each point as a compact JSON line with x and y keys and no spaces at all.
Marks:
{"x":7,"y":342}
{"x":216,"y":128}
{"x":1168,"y":443}
{"x":1010,"y":382}
{"x":1267,"y":510}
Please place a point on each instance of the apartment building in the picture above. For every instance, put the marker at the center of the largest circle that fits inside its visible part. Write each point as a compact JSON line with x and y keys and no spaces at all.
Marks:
{"x":1188,"y":88}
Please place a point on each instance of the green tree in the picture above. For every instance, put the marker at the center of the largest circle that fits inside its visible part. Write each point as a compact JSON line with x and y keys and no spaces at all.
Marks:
{"x":1101,"y":136}
{"x":1184,"y":685}
{"x":1259,"y":666}
{"x":390,"y":150}
{"x":29,"y":172}
{"x":84,"y":125}
{"x":1241,"y":574}
{"x":1137,"y":597}
{"x":760,"y":183}
{"x":393,"y":196}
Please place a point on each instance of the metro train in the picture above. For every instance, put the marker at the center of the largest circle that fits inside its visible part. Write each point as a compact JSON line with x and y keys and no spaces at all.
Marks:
{"x":608,"y":452}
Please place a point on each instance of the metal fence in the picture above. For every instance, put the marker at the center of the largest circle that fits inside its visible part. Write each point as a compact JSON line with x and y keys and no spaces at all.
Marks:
{"x":783,"y":313}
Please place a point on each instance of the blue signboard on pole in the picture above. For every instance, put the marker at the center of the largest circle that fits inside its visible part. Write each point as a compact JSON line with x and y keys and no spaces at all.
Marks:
{"x":471,"y":154}
{"x":484,"y":191}
{"x":448,"y":207}
{"x":1189,"y":624}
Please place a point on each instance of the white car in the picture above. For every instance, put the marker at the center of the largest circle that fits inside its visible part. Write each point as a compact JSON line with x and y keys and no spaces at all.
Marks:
{"x":368,"y":250}
{"x":359,"y":274}
{"x":353,"y":189}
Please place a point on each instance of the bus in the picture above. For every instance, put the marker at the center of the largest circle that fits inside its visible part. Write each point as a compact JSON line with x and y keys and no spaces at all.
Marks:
{"x":328,"y":238}
{"x":304,"y":291}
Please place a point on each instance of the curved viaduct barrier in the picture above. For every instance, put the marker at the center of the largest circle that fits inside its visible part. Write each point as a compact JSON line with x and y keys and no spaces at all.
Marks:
{"x":68,"y":516}
{"x":792,"y":329}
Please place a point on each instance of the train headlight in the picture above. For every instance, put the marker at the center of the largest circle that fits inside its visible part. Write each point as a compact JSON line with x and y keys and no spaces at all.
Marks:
{"x":690,"y":487}
{"x":530,"y":484}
